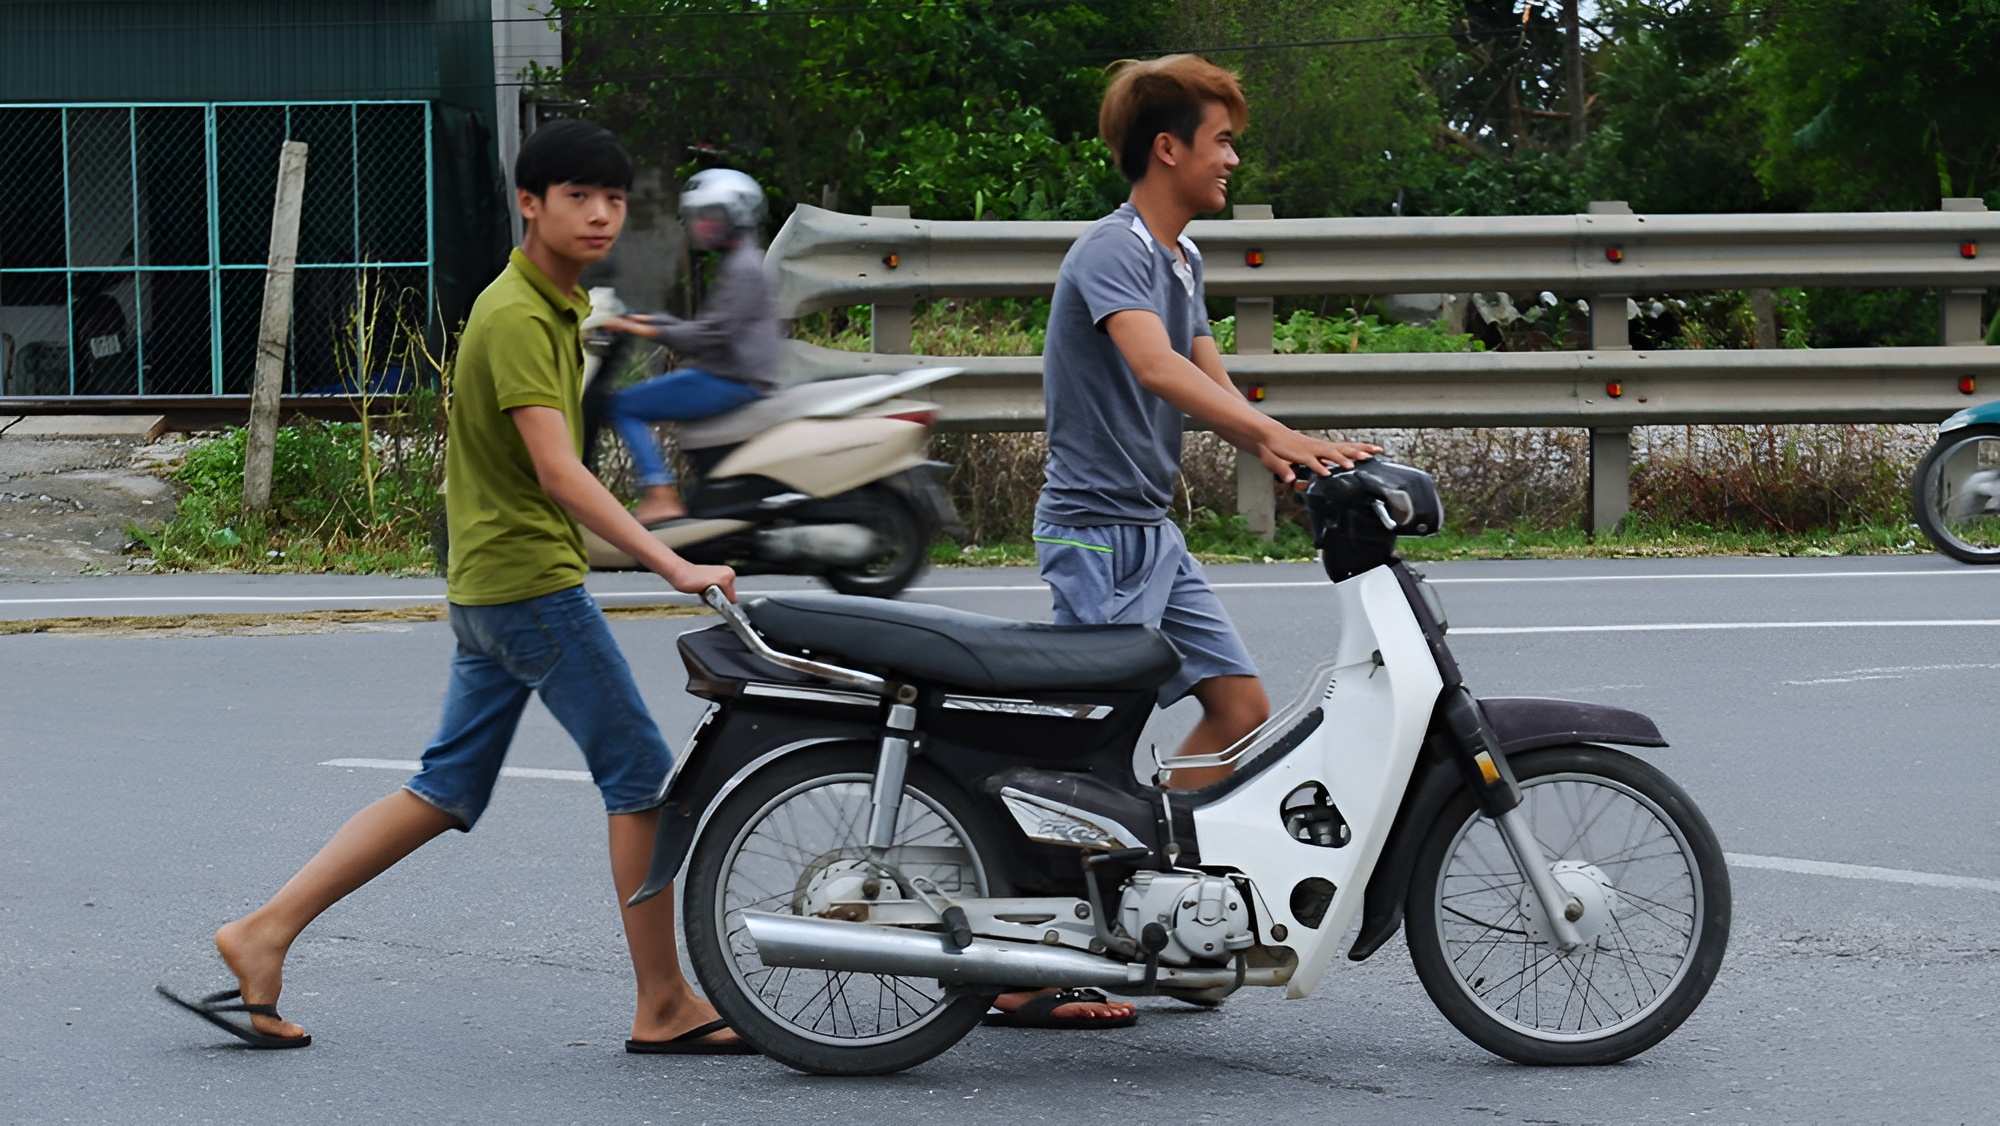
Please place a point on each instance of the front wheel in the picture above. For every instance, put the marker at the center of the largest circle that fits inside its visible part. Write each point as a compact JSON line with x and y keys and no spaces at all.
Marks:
{"x":791,"y":841}
{"x":1955,"y":494}
{"x":1631,"y":849}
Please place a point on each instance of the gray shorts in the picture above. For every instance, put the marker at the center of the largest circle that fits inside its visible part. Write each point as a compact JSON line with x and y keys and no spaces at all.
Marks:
{"x":1127,"y":574}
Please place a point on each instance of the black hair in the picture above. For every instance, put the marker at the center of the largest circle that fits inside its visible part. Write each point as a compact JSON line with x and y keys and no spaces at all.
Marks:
{"x":569,"y":151}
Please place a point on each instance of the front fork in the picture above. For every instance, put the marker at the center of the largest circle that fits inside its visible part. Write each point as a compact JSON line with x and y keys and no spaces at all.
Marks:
{"x":1487,"y":773}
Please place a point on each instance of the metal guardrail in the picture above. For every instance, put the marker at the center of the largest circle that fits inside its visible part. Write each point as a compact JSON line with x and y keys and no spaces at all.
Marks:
{"x":1417,"y":389}
{"x":825,"y":259}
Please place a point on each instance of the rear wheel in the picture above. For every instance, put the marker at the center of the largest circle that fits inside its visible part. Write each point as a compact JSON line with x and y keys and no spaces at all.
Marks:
{"x":1639,"y":860}
{"x":902,"y":544}
{"x":791,"y":841}
{"x":1956,"y":494}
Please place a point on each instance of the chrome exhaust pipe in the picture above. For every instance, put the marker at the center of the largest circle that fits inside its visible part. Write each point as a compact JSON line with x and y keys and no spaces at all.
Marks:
{"x":799,"y":942}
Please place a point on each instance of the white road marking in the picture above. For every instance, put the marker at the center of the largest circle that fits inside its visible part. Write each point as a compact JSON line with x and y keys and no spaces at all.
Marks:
{"x":1735,"y":859}
{"x":1686,"y":627}
{"x":409,"y":767}
{"x":1896,"y":672}
{"x":1860,"y":872}
{"x":1012,"y":588}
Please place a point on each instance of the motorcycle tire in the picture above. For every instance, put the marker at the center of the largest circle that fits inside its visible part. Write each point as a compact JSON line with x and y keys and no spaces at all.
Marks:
{"x":1925,"y":510}
{"x":716,"y":951}
{"x":905,"y":535}
{"x":1680,"y":991}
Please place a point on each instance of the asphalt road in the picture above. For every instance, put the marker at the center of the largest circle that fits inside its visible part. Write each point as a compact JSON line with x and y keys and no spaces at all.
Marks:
{"x":150,"y":787}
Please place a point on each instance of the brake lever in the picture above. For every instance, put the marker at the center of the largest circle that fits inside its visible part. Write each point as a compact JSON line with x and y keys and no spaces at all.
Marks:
{"x":1382,"y":514}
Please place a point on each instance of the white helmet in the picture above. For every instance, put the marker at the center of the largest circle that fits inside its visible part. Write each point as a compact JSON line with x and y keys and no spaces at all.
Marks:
{"x":736,"y":195}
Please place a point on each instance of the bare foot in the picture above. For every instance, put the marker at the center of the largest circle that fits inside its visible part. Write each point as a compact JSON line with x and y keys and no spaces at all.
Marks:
{"x":660,"y":502}
{"x":259,"y":966}
{"x":666,"y":1021}
{"x":1108,"y":1010}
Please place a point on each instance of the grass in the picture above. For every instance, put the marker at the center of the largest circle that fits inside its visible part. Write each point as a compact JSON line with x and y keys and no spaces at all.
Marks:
{"x":1229,"y":540}
{"x":271,"y":624}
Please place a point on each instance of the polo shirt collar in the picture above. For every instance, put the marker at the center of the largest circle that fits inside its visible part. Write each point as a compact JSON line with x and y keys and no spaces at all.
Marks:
{"x":576,"y":303}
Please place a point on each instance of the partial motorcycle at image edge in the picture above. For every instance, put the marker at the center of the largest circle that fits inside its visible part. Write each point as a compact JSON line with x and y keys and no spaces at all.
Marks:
{"x":891,"y":812}
{"x":1955,"y":491}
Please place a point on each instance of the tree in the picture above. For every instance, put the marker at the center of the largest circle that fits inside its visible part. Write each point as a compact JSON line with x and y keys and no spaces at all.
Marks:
{"x":817,"y":101}
{"x":1874,"y":106}
{"x":1340,"y":116}
{"x":1678,"y":129}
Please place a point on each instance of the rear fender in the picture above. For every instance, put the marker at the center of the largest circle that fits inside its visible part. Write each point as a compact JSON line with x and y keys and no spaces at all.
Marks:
{"x":732,"y":743}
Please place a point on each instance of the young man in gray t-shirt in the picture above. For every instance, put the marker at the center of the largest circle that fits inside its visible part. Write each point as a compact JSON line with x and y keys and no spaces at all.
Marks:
{"x":1128,"y":358}
{"x":1127,"y":361}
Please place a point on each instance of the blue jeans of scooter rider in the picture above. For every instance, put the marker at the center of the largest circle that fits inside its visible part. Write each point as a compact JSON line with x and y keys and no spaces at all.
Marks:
{"x":678,"y":396}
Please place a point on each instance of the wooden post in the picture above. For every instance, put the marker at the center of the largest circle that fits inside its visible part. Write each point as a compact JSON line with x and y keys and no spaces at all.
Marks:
{"x":892,"y":333}
{"x":1256,"y":496}
{"x":274,"y":330}
{"x":1610,"y":446}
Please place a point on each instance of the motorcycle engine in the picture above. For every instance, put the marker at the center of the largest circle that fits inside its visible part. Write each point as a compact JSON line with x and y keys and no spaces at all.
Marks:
{"x":1205,"y":916}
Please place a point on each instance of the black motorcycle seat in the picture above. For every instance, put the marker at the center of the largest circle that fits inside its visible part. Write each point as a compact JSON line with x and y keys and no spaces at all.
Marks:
{"x":971,"y":651}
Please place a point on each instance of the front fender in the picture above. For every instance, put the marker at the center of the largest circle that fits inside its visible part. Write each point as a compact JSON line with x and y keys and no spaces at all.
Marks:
{"x":1985,"y":414}
{"x":1524,"y":723}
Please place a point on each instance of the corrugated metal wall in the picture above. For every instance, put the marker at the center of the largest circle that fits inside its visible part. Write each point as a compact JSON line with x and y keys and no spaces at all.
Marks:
{"x":194,"y":54}
{"x":240,"y":50}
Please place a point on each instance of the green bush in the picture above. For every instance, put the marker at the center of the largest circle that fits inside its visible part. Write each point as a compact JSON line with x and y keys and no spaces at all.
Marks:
{"x":1308,"y":332}
{"x":331,"y":507}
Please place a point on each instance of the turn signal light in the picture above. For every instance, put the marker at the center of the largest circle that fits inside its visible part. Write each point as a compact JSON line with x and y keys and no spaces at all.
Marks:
{"x":1967,"y":385}
{"x":1968,"y":249}
{"x":1614,"y":254}
{"x":1253,"y":258}
{"x":1615,"y":389}
{"x":892,"y":260}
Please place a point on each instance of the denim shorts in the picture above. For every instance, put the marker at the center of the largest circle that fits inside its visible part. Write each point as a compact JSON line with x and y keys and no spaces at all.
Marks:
{"x":1122,"y":574}
{"x":560,"y":647}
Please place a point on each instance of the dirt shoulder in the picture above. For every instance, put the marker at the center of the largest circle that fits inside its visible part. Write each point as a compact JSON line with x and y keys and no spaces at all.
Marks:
{"x":66,"y":502}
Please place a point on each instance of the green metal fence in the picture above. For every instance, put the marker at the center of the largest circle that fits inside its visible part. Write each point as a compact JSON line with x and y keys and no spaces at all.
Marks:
{"x":132,"y":261}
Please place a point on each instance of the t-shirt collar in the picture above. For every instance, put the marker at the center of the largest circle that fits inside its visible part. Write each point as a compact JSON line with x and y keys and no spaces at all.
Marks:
{"x":1183,"y":262}
{"x":576,"y":302}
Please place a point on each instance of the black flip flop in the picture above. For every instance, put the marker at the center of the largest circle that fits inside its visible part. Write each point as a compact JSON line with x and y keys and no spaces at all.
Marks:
{"x":1039,"y":1013}
{"x":690,"y":1043}
{"x":211,"y":1008}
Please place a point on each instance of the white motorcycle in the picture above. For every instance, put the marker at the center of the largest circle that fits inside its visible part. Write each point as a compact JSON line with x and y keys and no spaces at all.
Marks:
{"x":894,"y":811}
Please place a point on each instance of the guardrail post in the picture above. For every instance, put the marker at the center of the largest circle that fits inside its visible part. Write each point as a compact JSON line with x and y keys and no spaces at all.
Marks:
{"x":1610,"y":446}
{"x":1959,"y":310}
{"x":891,"y":333}
{"x":1256,"y":499}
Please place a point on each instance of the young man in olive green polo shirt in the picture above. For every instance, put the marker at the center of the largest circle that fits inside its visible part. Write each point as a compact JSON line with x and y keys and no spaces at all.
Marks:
{"x":516,"y":491}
